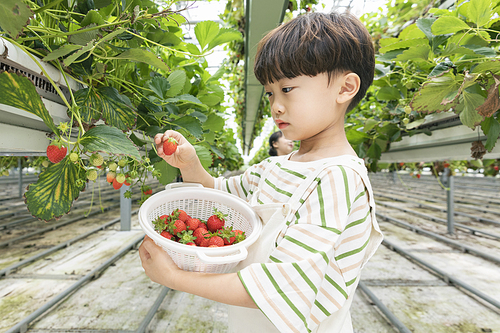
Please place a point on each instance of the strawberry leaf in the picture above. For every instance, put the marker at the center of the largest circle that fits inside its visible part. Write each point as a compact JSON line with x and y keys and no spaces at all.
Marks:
{"x":110,"y":140}
{"x":14,"y":16}
{"x":54,"y":192}
{"x":18,"y":91}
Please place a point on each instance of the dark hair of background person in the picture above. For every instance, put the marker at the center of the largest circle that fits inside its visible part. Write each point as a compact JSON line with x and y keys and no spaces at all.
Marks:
{"x":272,"y":139}
{"x":317,"y":43}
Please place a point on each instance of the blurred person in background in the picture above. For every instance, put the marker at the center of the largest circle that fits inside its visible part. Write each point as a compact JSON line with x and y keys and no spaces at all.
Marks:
{"x":279,"y":145}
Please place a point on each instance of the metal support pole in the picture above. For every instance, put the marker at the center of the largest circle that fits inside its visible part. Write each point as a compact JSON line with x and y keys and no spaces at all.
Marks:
{"x":125,"y":210}
{"x":394,"y":176}
{"x":450,"y":209}
{"x":20,"y":167}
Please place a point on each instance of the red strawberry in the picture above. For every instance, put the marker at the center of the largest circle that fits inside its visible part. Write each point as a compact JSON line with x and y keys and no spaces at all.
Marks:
{"x":169,"y":146}
{"x":191,"y":244}
{"x":192,"y":224}
{"x":166,"y":234}
{"x":183,"y":216}
{"x":227,"y":234}
{"x":203,"y":225}
{"x":216,"y":240}
{"x":56,"y":153}
{"x":239,"y":235}
{"x":216,"y":221}
{"x":177,"y":227}
{"x":418,"y":175}
{"x":496,"y":167}
{"x":200,"y":234}
{"x":446,"y":165}
{"x":116,"y":185}
{"x":127,"y":180}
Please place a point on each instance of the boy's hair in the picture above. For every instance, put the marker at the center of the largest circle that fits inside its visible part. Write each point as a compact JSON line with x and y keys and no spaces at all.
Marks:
{"x":317,"y":43}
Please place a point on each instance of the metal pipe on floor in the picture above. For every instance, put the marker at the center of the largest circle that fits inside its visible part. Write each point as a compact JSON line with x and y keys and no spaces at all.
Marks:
{"x":22,"y":326}
{"x":151,"y":313}
{"x":389,"y":315}
{"x":442,"y":274}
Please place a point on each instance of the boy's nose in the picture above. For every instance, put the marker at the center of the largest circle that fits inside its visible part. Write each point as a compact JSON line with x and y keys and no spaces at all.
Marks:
{"x":277,"y":108}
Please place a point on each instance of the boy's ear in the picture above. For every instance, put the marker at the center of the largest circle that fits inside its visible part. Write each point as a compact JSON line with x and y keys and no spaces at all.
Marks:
{"x":349,"y":87}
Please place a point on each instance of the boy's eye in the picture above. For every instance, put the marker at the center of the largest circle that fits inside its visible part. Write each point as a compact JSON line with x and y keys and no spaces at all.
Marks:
{"x":285,"y":90}
{"x":269,"y":94}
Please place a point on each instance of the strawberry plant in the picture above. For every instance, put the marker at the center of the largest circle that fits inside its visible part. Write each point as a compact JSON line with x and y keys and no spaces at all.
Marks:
{"x":139,"y":77}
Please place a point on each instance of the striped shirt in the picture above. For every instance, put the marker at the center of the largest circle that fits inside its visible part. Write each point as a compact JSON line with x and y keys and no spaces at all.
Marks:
{"x":316,"y":262}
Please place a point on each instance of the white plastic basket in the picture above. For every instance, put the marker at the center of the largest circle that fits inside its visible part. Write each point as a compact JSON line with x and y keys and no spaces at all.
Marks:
{"x":199,"y":202}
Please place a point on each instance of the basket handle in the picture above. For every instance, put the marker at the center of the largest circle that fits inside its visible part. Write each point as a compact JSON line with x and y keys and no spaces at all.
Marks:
{"x":243,"y":253}
{"x":181,"y":184}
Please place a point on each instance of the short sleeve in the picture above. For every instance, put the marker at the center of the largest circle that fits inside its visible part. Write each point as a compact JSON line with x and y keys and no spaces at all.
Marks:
{"x":314,"y":267}
{"x":245,"y":184}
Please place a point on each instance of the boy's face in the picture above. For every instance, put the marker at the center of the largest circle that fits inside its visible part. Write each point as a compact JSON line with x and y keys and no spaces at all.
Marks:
{"x":305,"y":107}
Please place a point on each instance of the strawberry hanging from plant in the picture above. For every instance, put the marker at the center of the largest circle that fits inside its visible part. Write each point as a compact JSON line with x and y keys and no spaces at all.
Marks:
{"x":56,"y":151}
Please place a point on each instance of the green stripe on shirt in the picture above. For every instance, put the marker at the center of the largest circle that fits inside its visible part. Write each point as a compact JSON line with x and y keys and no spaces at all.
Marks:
{"x":243,"y":187}
{"x":307,"y":247}
{"x":322,"y":308}
{"x":359,"y":196}
{"x":352,"y":224}
{"x":336,"y":285}
{"x":346,"y":187}
{"x":283,"y":295}
{"x":350,"y":253}
{"x":288,"y":194}
{"x":227,"y":187}
{"x":321,"y":203}
{"x":304,"y":276}
{"x":296,"y":174}
{"x":348,"y":283}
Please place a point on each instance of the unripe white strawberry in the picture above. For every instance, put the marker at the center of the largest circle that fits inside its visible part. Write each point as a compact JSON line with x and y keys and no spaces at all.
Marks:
{"x":45,"y":163}
{"x":92,"y":175}
{"x":96,"y":160}
{"x":112,"y":166}
{"x":73,"y":157}
{"x":120,"y":178}
{"x":122,"y":163}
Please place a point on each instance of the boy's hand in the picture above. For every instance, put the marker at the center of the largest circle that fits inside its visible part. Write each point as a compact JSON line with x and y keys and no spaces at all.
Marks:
{"x":157,"y":264}
{"x":185,"y":154}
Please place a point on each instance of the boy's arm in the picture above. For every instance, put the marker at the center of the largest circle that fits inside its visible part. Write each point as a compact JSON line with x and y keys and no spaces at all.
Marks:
{"x":224,"y":288}
{"x":184,"y":158}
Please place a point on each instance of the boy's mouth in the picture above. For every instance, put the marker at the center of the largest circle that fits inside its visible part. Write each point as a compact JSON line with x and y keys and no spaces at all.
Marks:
{"x":281,"y":124}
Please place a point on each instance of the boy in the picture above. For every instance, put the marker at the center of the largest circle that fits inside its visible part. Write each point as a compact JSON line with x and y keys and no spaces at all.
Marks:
{"x":316,"y":204}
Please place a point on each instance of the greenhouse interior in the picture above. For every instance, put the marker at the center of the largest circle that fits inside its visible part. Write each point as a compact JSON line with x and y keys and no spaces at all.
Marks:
{"x":89,"y":90}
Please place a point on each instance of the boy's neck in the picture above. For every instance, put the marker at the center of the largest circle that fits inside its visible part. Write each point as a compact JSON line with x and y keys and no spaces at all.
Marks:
{"x":324,"y":145}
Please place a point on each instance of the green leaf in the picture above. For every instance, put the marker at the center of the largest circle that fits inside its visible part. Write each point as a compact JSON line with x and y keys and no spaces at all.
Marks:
{"x":61,"y":52}
{"x":136,"y":140}
{"x":187,"y":98}
{"x":209,"y":99}
{"x":92,"y":16}
{"x":168,"y":172}
{"x":204,"y":155}
{"x":89,"y":103}
{"x":388,"y":94}
{"x":410,"y":32}
{"x":374,"y":151}
{"x":193,"y":49}
{"x":469,"y":101}
{"x":159,"y":85}
{"x":53,"y":193}
{"x":482,"y":50}
{"x":177,"y":80}
{"x":448,"y":25}
{"x":479,"y":11}
{"x":415,"y":123}
{"x":14,"y":16}
{"x":202,"y":117}
{"x":116,"y":109}
{"x":356,"y":137}
{"x":18,"y":91}
{"x":191,"y":124}
{"x":369,"y":124}
{"x":405,"y":44}
{"x":389,"y":56}
{"x":214,"y":123}
{"x":441,"y":68}
{"x":483,"y":67}
{"x":109,"y":140}
{"x":222,"y":69}
{"x":490,"y":127}
{"x":141,"y":55}
{"x":69,"y":60}
{"x":425,"y":25}
{"x":225,"y":35}
{"x":432,"y":93}
{"x":83,"y":38}
{"x":205,"y":32}
{"x":413,"y":53}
